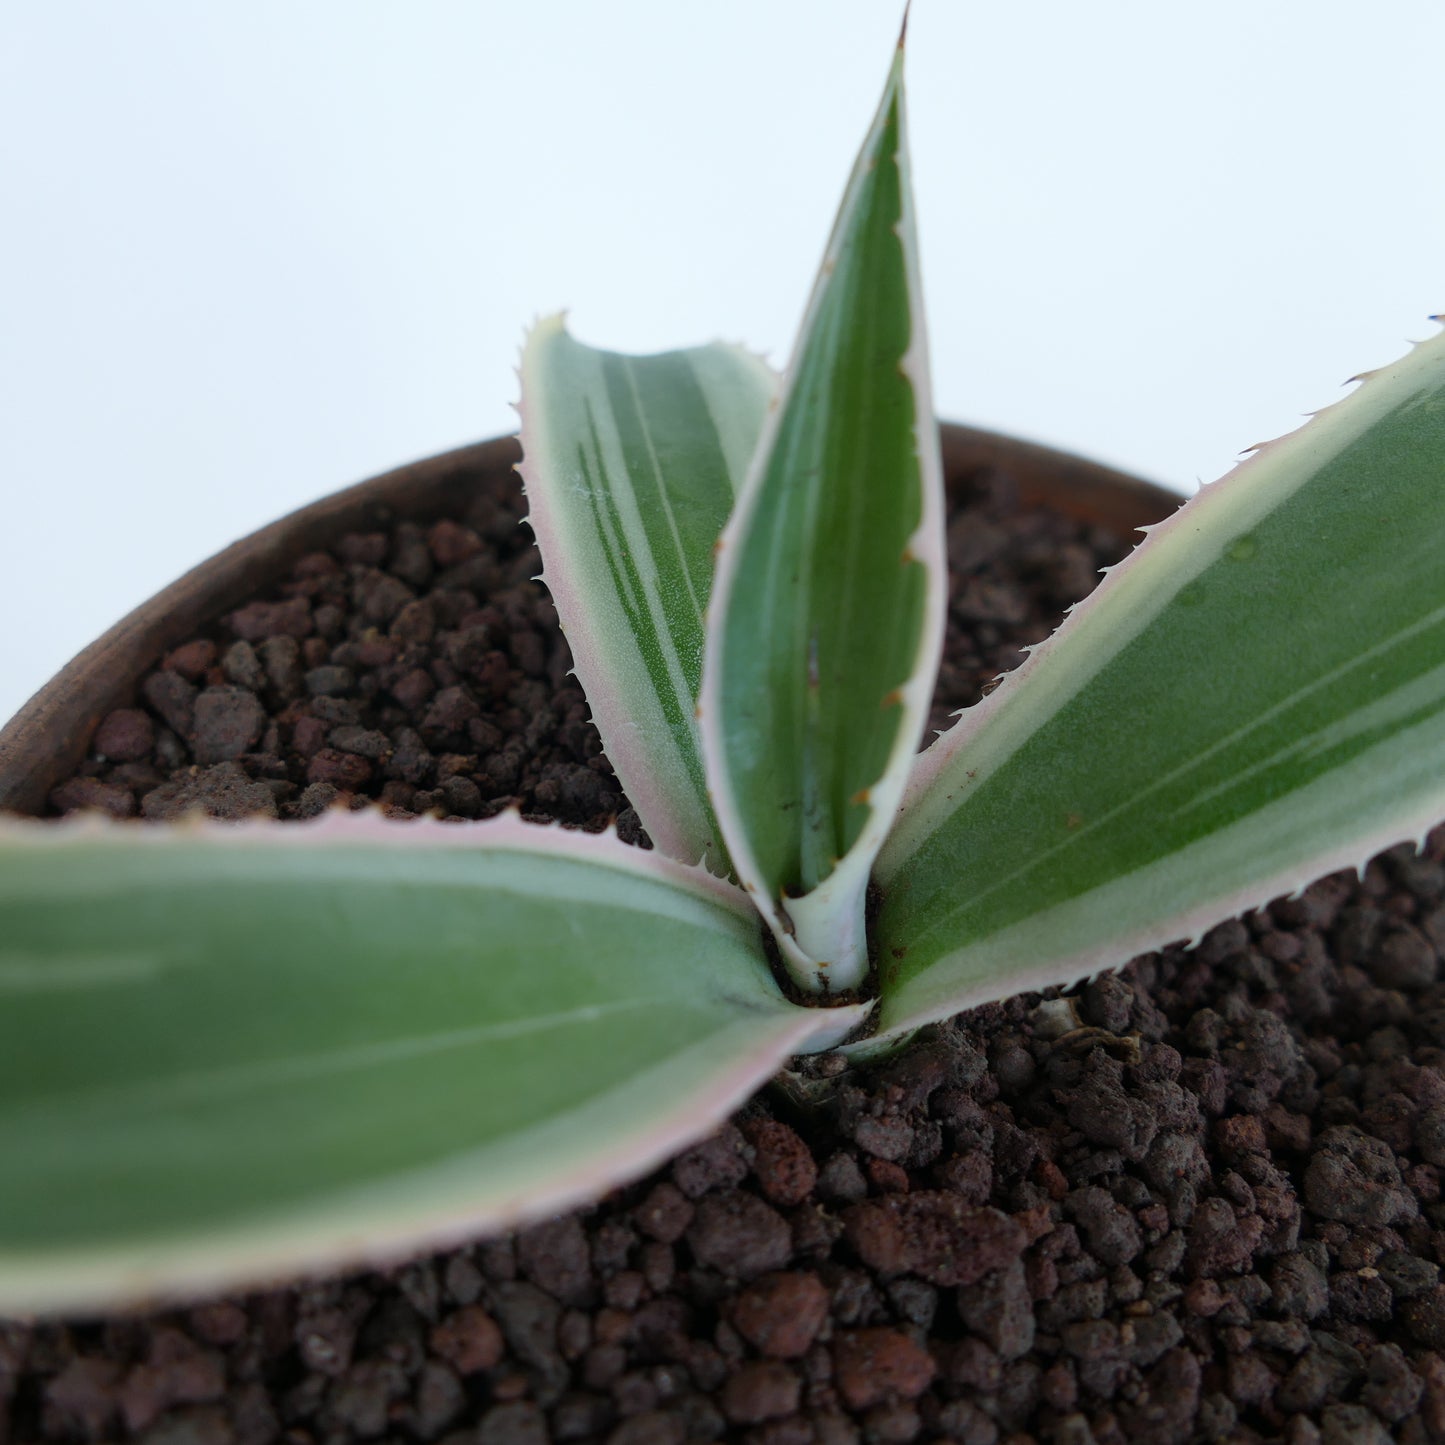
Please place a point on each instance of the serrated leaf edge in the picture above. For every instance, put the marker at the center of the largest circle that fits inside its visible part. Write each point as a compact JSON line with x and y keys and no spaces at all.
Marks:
{"x":1170,"y":555}
{"x":369,"y":827}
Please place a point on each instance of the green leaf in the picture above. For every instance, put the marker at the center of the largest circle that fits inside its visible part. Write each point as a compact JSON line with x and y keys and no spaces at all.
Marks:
{"x":828,"y":604}
{"x":1254,"y":698}
{"x":631,"y":464}
{"x":230,"y":1054}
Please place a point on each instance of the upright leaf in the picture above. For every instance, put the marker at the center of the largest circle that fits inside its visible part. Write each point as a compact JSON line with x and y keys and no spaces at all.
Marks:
{"x":229,"y":1054}
{"x":827,"y":615}
{"x":631,"y":464}
{"x":1254,"y":698}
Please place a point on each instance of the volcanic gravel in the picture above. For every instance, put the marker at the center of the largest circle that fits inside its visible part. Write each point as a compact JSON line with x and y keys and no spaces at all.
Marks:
{"x":1196,"y":1200}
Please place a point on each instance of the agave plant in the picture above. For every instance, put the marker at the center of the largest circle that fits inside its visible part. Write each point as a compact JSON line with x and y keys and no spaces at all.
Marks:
{"x":223,"y":1057}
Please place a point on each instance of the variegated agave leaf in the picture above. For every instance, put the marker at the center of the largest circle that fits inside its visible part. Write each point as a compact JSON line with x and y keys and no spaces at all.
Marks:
{"x":827,"y":618}
{"x":631,"y":464}
{"x":233,"y":1053}
{"x":1254,"y":698}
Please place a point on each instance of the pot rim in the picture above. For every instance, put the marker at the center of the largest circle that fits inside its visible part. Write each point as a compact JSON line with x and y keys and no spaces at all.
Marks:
{"x":48,"y":737}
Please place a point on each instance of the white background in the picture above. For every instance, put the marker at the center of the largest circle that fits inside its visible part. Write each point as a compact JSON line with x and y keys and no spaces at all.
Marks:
{"x":252,"y":252}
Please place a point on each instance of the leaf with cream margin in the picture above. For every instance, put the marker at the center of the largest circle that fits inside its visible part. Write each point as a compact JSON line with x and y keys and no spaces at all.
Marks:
{"x":828,"y":606}
{"x":232,"y":1053}
{"x":631,"y":464}
{"x":1254,"y":698}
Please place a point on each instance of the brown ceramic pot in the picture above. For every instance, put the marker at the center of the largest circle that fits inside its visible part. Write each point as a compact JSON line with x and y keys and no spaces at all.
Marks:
{"x":46,"y":740}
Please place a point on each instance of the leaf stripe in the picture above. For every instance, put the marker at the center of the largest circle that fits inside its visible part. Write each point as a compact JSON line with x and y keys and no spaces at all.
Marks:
{"x":648,"y":629}
{"x":697,"y":588}
{"x":210,"y":1085}
{"x":1352,"y":738}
